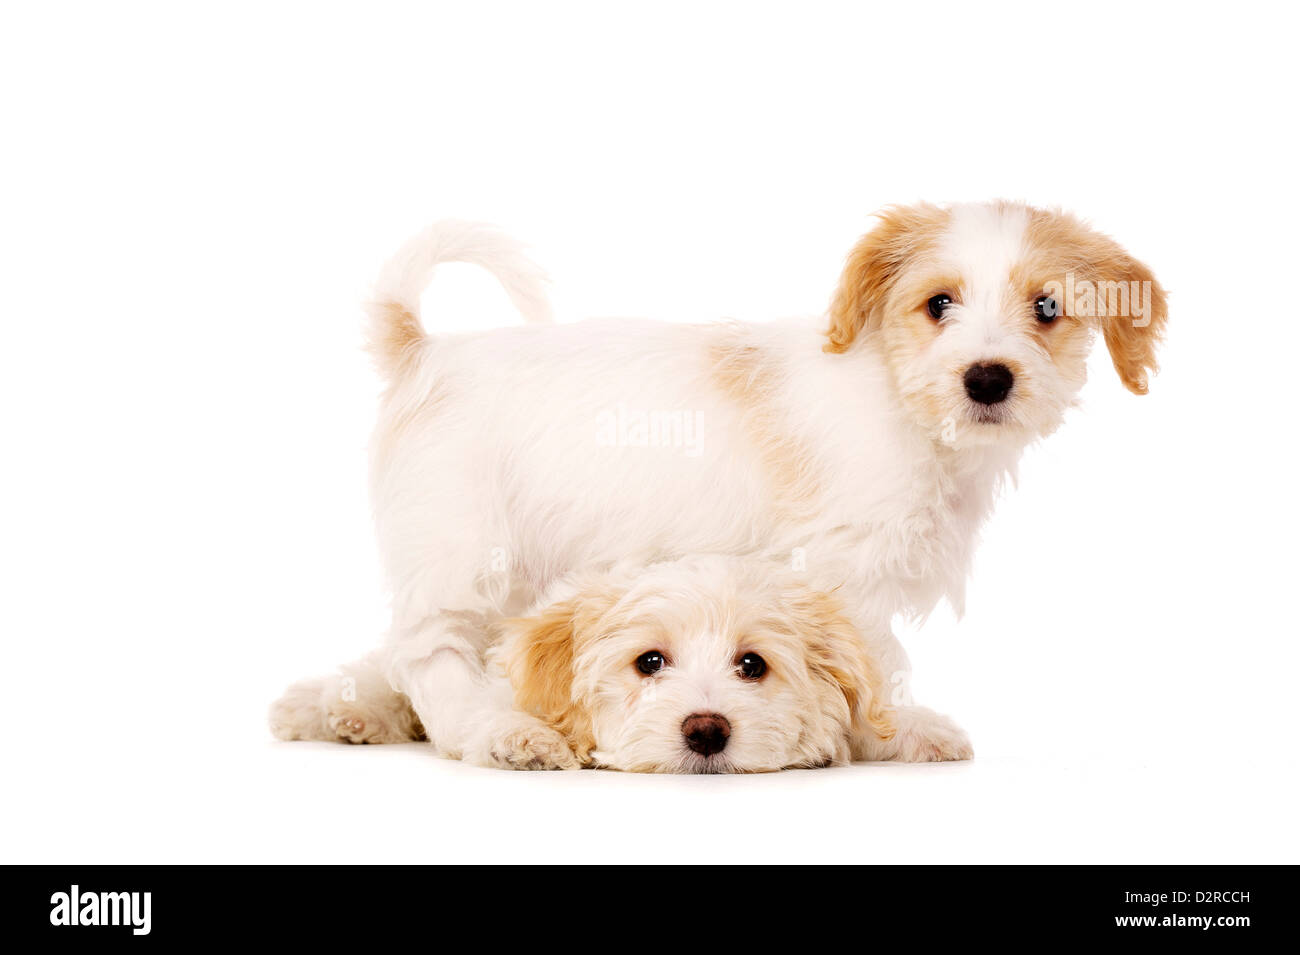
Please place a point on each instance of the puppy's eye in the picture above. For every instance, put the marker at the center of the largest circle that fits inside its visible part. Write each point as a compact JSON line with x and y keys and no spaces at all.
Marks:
{"x":938,"y":305}
{"x":650,"y":662}
{"x":1046,"y":309}
{"x":752,"y":666}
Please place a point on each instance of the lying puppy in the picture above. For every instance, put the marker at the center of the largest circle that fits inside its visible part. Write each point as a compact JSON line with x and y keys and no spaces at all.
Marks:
{"x":862,"y":451}
{"x":704,"y":665}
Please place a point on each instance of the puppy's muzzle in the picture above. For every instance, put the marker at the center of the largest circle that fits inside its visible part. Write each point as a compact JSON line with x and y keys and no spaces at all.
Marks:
{"x":988,"y":383}
{"x":706,"y":733}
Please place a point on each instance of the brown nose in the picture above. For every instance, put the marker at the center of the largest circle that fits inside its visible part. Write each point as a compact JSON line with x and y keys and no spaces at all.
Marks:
{"x":706,"y":733}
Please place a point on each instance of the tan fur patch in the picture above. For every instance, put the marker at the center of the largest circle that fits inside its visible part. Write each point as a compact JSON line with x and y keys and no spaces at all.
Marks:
{"x":901,"y":238}
{"x":837,"y":651}
{"x":750,"y":379}
{"x":540,"y":666}
{"x":395,"y":337}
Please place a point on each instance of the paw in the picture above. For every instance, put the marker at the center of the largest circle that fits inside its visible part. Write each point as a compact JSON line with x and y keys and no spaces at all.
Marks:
{"x":353,"y":725}
{"x":351,"y":708}
{"x":925,"y":736}
{"x":522,"y":742}
{"x":297,"y":714}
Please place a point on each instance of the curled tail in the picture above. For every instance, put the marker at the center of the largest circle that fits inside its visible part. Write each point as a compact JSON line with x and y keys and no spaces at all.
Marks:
{"x":395,"y":329}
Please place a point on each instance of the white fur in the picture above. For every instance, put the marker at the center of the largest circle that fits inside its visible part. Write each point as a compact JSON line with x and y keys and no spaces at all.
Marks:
{"x":407,"y":274}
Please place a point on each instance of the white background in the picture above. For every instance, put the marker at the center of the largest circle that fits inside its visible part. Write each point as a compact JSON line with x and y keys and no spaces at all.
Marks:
{"x":195,"y":202}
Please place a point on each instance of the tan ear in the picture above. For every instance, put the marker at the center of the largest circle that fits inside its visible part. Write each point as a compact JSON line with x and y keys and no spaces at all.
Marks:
{"x":837,"y":652}
{"x":1132,"y":339}
{"x":1134,"y":329}
{"x":539,"y":656}
{"x":874,"y":265}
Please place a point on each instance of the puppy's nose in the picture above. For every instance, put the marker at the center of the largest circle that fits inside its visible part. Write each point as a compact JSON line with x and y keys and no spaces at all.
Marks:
{"x":988,"y":384}
{"x":706,"y":733}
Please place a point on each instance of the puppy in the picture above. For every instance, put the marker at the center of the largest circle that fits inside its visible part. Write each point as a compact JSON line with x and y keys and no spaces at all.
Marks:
{"x":862,"y":451}
{"x":704,"y":665}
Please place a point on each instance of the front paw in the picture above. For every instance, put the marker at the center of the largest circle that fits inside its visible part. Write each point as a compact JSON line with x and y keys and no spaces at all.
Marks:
{"x":924,"y":736}
{"x":520,"y":741}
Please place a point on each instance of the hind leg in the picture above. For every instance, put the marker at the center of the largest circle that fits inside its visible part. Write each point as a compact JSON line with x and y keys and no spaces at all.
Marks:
{"x":921,"y":735}
{"x":355,"y":705}
{"x":439,"y":665}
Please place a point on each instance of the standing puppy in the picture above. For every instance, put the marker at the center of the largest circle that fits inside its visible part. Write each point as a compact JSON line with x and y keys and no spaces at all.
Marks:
{"x":865,"y":452}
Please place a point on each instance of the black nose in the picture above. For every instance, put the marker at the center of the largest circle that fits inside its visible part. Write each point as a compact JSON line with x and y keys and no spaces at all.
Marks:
{"x":988,"y":384}
{"x":706,"y":733}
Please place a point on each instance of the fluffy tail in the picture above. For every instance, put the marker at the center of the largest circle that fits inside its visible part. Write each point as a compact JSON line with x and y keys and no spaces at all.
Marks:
{"x":395,"y":330}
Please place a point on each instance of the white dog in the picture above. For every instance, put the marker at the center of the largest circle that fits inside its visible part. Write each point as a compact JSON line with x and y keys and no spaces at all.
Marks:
{"x":706,"y":665}
{"x":863,"y":454}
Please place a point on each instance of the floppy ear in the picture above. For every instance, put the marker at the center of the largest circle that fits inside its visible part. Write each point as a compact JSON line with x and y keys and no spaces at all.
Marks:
{"x":837,"y":652}
{"x":1113,"y":277}
{"x":1132,"y":338}
{"x":874,"y":265}
{"x":538,"y":654}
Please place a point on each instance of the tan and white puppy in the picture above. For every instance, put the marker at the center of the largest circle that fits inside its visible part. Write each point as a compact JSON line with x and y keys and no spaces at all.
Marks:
{"x":863,"y":452}
{"x":704,"y":665}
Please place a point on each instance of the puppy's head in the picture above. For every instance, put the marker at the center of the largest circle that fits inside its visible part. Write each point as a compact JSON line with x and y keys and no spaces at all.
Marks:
{"x":985,"y":314}
{"x":709,"y":665}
